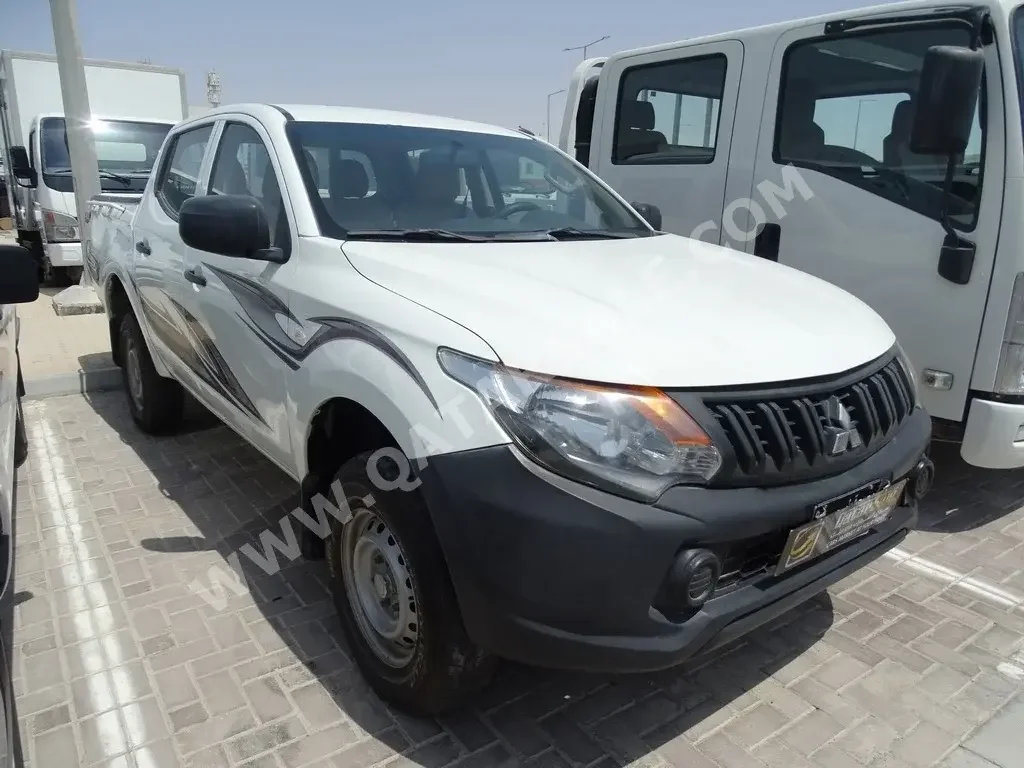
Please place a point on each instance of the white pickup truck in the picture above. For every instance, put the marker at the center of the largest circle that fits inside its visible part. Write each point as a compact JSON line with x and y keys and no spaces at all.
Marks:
{"x":559,"y":435}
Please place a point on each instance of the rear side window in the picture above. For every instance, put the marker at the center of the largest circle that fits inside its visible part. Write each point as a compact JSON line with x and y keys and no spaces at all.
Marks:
{"x":180,"y":173}
{"x":668,"y":112}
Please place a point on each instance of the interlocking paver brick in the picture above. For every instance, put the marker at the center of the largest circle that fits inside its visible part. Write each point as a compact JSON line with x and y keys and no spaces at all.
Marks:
{"x":117,"y":661}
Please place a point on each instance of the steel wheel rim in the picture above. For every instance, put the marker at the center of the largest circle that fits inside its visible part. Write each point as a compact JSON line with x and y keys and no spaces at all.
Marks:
{"x":379,"y":587}
{"x":134,"y":369}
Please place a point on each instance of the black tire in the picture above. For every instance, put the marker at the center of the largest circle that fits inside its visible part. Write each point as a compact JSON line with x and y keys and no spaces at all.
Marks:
{"x":61,"y":276}
{"x":70,"y":276}
{"x":20,"y":437}
{"x":446,"y":668}
{"x":160,"y":403}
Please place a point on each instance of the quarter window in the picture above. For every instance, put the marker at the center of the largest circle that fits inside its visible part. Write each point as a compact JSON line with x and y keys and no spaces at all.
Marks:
{"x":668,"y":112}
{"x":847,"y":110}
{"x":180,"y":173}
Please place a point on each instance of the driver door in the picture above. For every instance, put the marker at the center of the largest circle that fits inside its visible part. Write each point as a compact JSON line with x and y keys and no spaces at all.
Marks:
{"x":239,"y":306}
{"x":871,"y":221}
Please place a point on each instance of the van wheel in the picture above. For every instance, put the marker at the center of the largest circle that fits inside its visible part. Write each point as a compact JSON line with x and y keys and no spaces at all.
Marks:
{"x":67,"y":275}
{"x":156,"y":403}
{"x":395,"y":598}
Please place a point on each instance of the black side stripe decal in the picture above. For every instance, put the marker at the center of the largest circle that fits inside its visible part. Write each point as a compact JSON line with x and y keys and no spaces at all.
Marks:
{"x":261,"y":308}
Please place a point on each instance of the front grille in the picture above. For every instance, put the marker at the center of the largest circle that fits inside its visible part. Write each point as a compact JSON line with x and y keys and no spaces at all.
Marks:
{"x":784,"y":437}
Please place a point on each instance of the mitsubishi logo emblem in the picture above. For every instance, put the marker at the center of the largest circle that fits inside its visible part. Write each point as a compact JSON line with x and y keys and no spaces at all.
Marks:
{"x":840,"y":433}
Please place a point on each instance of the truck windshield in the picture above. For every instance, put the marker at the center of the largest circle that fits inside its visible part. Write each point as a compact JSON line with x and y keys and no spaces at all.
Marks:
{"x":385,"y":180}
{"x":125,"y":152}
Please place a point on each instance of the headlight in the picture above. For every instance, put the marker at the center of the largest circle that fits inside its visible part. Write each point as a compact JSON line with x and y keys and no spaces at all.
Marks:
{"x":633,"y":441}
{"x":908,"y":370}
{"x":59,"y":227}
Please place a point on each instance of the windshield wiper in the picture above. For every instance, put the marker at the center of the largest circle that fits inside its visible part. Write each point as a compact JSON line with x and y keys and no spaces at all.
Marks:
{"x":126,"y":180}
{"x":414,"y":235}
{"x":572,"y":233}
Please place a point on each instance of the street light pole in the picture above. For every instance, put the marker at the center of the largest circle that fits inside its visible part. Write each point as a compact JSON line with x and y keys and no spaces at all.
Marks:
{"x":584,"y":47}
{"x":77,"y":116}
{"x":547,"y":125}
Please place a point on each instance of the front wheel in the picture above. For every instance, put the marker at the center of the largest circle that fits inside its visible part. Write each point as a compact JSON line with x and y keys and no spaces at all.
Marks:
{"x":20,"y":436}
{"x":395,"y":598}
{"x":156,"y":403}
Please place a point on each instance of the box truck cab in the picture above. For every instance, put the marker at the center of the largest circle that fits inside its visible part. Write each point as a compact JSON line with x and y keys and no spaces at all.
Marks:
{"x":134,"y":106}
{"x":879,"y":149}
{"x":125,"y":152}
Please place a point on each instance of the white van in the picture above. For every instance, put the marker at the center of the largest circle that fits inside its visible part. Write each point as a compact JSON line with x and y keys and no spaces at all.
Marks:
{"x":793,"y":142}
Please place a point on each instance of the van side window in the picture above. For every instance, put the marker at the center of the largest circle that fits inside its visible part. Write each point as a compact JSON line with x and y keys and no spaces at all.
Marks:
{"x":847,"y":109}
{"x":668,"y":112}
{"x":180,"y":172}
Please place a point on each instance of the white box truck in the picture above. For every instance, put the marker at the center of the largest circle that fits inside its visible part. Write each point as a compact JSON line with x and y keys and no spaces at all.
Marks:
{"x":133,"y":107}
{"x":843,"y":145}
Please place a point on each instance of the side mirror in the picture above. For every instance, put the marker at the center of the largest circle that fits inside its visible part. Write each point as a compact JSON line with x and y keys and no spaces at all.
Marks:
{"x":650,"y":212}
{"x":229,"y":225}
{"x":947,"y":96}
{"x":21,"y":168}
{"x":19,"y":275}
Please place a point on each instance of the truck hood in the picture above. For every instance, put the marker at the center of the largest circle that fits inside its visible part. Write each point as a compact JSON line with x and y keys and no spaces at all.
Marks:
{"x":660,"y":311}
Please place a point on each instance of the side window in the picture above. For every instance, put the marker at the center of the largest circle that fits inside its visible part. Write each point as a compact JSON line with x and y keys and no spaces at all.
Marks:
{"x":242,"y":166}
{"x":180,"y":172}
{"x":32,"y":150}
{"x":847,"y":110}
{"x":668,"y":112}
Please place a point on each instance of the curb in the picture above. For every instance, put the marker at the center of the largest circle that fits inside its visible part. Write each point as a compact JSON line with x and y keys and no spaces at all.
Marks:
{"x":57,"y":385}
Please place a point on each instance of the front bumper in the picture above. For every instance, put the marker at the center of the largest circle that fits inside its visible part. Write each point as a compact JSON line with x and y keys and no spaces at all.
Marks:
{"x":64,"y":254}
{"x":994,"y":435}
{"x":554,"y":573}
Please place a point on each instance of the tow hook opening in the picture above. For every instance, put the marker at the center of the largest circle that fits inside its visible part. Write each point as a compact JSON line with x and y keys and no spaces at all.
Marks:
{"x":921,"y":479}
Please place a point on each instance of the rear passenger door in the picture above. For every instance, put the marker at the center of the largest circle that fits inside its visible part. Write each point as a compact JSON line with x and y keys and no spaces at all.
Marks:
{"x":239,"y":306}
{"x":663,"y":131}
{"x":158,"y":252}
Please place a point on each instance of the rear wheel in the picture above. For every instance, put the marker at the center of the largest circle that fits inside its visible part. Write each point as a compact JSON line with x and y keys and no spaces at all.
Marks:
{"x":156,"y":403}
{"x":20,"y":437}
{"x":66,"y":276}
{"x":395,"y":598}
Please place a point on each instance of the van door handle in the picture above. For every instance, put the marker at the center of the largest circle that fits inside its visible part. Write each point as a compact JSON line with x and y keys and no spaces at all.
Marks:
{"x":195,"y":275}
{"x":766,"y":244}
{"x":143,"y":247}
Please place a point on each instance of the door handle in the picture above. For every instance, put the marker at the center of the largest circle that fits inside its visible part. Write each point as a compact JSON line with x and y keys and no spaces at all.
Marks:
{"x":195,"y":275}
{"x":143,"y":247}
{"x":766,"y":244}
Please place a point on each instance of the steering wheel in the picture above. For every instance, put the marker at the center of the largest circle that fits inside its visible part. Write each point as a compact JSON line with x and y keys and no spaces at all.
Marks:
{"x":521,"y":206}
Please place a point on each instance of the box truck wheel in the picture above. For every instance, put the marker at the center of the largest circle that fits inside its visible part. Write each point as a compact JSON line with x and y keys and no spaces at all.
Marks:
{"x":65,"y":276}
{"x":395,"y":598}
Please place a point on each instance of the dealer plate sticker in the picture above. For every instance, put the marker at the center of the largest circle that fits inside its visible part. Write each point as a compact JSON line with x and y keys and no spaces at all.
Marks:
{"x":816,"y":538}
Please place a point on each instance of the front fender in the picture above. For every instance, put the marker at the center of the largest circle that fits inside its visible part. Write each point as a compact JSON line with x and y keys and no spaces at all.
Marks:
{"x":428,"y":415}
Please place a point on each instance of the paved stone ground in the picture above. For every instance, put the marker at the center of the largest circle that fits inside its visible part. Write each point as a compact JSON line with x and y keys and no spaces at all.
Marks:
{"x":117,"y":663}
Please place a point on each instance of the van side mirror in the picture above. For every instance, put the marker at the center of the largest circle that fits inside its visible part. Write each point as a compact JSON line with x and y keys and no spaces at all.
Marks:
{"x":650,"y":212}
{"x":229,"y":225}
{"x":947,"y":96}
{"x":22,"y":169}
{"x":19,"y":275}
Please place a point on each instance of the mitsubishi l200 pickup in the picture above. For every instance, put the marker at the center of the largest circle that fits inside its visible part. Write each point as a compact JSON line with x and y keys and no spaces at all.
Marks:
{"x":549,"y":433}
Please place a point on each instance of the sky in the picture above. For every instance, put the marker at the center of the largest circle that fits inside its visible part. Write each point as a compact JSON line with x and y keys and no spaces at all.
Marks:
{"x":489,"y":61}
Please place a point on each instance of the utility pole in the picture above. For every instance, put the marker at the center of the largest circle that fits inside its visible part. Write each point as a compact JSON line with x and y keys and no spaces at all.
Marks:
{"x":547,"y":125}
{"x":584,"y":47}
{"x":81,"y":145}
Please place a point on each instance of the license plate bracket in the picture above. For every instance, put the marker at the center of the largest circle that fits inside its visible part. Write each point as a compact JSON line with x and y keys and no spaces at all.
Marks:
{"x":839,"y":521}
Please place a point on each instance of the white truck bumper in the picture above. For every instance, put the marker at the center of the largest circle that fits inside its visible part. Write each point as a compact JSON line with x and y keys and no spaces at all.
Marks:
{"x":994,"y":435}
{"x":64,"y":254}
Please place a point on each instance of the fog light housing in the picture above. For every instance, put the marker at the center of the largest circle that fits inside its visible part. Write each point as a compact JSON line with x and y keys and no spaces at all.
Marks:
{"x":691,"y":579}
{"x":921,"y":479}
